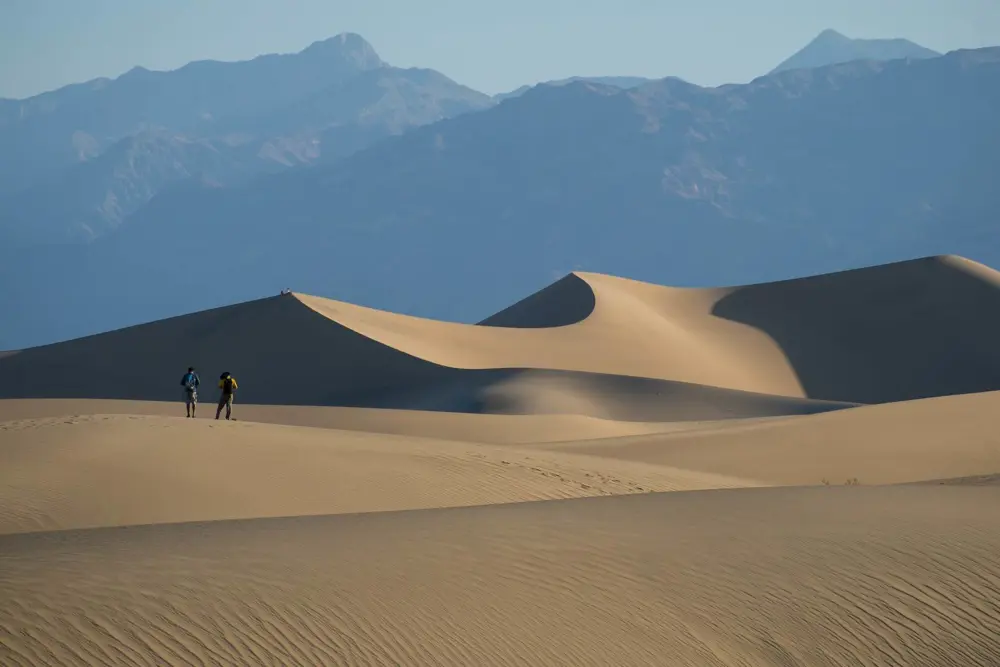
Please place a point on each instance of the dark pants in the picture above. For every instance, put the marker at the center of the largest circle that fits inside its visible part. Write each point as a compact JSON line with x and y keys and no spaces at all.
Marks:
{"x":226,"y":400}
{"x":191,"y":400}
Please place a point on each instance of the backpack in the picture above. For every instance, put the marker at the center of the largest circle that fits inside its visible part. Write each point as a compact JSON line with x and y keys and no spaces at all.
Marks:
{"x":227,"y":385}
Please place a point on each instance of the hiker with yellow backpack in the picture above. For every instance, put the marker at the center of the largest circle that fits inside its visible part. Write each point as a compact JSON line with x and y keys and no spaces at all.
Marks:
{"x":227,"y":383}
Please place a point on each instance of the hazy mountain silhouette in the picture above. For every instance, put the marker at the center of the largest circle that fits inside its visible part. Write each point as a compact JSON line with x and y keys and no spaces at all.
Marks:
{"x":800,"y":172}
{"x":369,"y":106}
{"x":82,"y":202}
{"x":75,"y":162}
{"x":832,"y":48}
{"x":624,"y":82}
{"x":47,"y":130}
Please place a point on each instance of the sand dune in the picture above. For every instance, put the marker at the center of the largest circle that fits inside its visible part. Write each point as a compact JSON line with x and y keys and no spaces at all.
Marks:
{"x":312,"y":359}
{"x":812,"y":577}
{"x":575,"y":480}
{"x":499,"y":429}
{"x":889,"y":333}
{"x":104,"y":470}
{"x":949,"y":436}
{"x":970,"y":480}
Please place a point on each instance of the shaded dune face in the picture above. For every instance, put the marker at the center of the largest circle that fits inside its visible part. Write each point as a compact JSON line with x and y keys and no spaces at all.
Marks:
{"x":588,"y":344}
{"x":614,"y":397}
{"x":280,"y":351}
{"x":889,"y":333}
{"x":567,"y":301}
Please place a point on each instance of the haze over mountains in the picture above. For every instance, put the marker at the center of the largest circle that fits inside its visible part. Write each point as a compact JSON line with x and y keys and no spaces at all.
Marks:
{"x":617,"y":81}
{"x":104,"y":148}
{"x":797,"y":172}
{"x":831,"y":48}
{"x":600,"y":470}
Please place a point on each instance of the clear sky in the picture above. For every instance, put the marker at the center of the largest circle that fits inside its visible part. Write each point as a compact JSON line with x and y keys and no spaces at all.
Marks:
{"x":493,"y":46}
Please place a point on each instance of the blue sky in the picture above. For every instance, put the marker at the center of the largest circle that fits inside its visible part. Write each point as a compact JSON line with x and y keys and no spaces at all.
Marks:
{"x":492,"y":46}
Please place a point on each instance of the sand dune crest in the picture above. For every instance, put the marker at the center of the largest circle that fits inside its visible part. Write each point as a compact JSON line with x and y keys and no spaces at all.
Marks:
{"x":828,"y":337}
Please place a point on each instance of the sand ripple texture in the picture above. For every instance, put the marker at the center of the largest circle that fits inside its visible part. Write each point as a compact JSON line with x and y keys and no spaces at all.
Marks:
{"x":836,"y":576}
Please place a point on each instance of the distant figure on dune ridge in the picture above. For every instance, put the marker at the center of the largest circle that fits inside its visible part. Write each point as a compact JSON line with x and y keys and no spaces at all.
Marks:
{"x":191,"y":382}
{"x":227,"y":383}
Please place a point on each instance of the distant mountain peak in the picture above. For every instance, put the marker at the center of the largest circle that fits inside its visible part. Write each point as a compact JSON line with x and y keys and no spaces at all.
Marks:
{"x":344,"y":44}
{"x":621,"y":82}
{"x":832,"y":48}
{"x":137,"y":72}
{"x":830,"y":33}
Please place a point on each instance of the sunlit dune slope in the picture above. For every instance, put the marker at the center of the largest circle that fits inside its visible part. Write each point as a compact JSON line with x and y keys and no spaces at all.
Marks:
{"x":936,"y":438}
{"x":106,"y":470}
{"x":894,"y":332}
{"x":428,"y":424}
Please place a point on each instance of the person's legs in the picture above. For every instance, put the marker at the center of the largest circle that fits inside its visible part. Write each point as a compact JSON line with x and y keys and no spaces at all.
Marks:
{"x":229,"y":407}
{"x":194,"y":403}
{"x":187,"y":401}
{"x":222,"y":402}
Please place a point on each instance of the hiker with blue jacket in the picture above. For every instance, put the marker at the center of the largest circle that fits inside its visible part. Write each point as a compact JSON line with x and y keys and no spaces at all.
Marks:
{"x":190,"y":382}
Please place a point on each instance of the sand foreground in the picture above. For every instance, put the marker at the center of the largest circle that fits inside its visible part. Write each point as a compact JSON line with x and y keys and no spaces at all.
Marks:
{"x":606,"y":473}
{"x":821,"y":576}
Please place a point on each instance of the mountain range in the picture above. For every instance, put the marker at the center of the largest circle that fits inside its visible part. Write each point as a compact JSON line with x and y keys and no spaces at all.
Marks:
{"x":107,"y":146}
{"x":617,"y":81}
{"x":832,"y":48}
{"x":340,"y":187}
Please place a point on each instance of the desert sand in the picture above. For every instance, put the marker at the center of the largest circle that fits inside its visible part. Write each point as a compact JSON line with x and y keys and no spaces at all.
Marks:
{"x":607,"y":472}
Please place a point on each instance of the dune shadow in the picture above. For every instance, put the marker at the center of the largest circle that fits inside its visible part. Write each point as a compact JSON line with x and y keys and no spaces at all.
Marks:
{"x":917,"y":329}
{"x":617,"y":397}
{"x":567,"y":301}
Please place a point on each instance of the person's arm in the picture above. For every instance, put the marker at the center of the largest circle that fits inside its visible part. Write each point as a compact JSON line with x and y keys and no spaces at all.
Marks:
{"x":235,"y":386}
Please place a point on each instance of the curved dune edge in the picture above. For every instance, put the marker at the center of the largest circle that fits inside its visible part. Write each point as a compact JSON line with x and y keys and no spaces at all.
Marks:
{"x":312,"y":360}
{"x":758,"y":577}
{"x":104,"y":470}
{"x":870,"y":335}
{"x":634,"y":329}
{"x":607,"y":397}
{"x":876,"y":335}
{"x":929,"y":439}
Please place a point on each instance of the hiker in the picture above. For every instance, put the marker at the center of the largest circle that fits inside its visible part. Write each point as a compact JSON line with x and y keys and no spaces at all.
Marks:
{"x":227,"y":383}
{"x":190,"y":382}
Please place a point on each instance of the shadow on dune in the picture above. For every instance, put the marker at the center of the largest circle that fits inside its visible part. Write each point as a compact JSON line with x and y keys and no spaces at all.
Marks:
{"x":285,"y":353}
{"x":889,"y":333}
{"x":896,"y":332}
{"x":567,"y":301}
{"x":616,"y":397}
{"x":280,"y":351}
